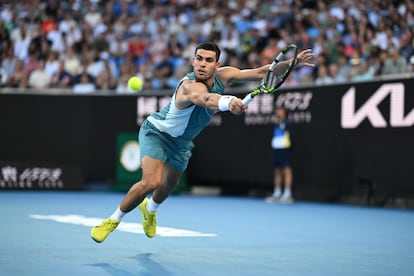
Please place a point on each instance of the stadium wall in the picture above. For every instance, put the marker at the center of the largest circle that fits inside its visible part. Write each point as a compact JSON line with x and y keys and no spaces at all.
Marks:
{"x":350,"y":139}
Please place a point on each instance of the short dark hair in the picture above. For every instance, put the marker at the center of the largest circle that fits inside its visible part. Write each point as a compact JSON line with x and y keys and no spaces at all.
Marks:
{"x":210,"y":46}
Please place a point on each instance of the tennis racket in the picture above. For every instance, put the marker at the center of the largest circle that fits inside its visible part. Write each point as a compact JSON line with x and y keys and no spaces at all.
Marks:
{"x":277,"y":73}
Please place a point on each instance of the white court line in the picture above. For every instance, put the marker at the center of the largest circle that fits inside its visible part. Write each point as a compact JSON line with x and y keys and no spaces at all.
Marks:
{"x":129,"y":227}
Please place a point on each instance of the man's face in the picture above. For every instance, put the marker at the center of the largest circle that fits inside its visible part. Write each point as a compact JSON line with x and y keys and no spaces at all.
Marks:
{"x":204,"y":64}
{"x":280,"y":113}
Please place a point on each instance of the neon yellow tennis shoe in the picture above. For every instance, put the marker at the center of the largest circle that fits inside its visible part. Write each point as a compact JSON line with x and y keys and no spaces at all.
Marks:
{"x":149,"y":221}
{"x":100,"y":232}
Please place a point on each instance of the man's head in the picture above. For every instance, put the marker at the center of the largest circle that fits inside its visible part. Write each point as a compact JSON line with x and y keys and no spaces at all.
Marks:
{"x":205,"y":62}
{"x":209,"y":46}
{"x":280,"y":113}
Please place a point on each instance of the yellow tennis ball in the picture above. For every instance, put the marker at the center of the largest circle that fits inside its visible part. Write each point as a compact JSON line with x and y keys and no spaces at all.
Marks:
{"x":135,"y":83}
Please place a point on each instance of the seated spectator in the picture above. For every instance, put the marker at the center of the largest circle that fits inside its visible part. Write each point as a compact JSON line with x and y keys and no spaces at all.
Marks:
{"x":3,"y":77}
{"x":407,"y":47}
{"x":9,"y":62}
{"x":31,"y":64}
{"x":366,"y":72}
{"x":106,"y":79}
{"x":118,"y":48}
{"x":52,"y":63}
{"x":85,"y":84}
{"x":61,"y":78}
{"x":21,"y":45}
{"x":162,"y":71}
{"x":395,"y":63}
{"x":290,"y":81}
{"x":39,"y":78}
{"x":19,"y":77}
{"x":323,"y":76}
{"x":333,"y":71}
{"x":71,"y":61}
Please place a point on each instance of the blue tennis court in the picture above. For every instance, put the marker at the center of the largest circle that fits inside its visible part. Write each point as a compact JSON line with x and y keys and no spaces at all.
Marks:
{"x":47,"y":233}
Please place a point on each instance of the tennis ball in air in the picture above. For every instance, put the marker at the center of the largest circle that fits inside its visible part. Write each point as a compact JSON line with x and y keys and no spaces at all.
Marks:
{"x":135,"y":83}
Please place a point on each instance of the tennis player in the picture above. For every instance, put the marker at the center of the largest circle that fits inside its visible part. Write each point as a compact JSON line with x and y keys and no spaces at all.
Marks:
{"x":166,"y":137}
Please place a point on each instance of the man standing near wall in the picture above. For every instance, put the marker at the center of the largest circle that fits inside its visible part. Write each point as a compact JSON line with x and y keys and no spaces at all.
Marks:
{"x":281,"y":148}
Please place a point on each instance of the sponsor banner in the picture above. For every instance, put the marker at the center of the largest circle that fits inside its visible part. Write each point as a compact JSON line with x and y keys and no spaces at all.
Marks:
{"x":261,"y":109}
{"x":375,"y":110}
{"x":31,"y":176}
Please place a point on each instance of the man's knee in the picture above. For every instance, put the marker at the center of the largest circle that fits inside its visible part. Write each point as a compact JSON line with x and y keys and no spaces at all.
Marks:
{"x":151,"y":183}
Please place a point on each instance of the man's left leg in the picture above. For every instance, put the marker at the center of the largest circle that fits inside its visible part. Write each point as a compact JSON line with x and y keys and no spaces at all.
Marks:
{"x":148,"y":207}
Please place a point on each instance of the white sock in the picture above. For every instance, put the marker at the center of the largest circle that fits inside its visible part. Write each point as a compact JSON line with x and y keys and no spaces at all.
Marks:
{"x":277,"y":192}
{"x":152,"y":206}
{"x":287,"y":193}
{"x":118,"y":214}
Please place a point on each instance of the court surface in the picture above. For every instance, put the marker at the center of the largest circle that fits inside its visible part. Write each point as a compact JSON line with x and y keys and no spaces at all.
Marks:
{"x":47,"y":233}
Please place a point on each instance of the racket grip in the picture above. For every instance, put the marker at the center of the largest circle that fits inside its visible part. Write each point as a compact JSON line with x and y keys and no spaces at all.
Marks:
{"x":248,"y":99}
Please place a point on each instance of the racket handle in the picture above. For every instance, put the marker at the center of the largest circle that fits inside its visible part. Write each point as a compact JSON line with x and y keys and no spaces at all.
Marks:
{"x":248,"y":99}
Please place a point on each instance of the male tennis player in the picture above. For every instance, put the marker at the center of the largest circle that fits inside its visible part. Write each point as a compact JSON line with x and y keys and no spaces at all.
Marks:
{"x":166,"y":137}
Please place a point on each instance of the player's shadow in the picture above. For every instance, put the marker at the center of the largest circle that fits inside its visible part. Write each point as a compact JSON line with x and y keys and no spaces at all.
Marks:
{"x":150,"y":265}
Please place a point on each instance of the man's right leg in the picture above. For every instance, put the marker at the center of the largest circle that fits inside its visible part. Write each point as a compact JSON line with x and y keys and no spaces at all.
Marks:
{"x":277,"y":185}
{"x":152,"y":175}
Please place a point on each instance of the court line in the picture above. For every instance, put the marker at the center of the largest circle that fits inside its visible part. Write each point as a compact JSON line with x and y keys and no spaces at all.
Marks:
{"x":129,"y":227}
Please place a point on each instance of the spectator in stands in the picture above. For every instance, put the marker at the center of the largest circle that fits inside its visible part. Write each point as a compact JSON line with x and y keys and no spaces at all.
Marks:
{"x":394,"y":64}
{"x":93,"y":17}
{"x":31,"y":63}
{"x":52,"y":63}
{"x":100,"y":43}
{"x":18,"y":79}
{"x":323,"y":76}
{"x":71,"y":61}
{"x":21,"y":44}
{"x":163,"y":70}
{"x":379,"y":62}
{"x":49,"y":24}
{"x":9,"y":61}
{"x":106,"y":79}
{"x":407,"y":47}
{"x":84,"y":84}
{"x":290,"y":81}
{"x":334,"y":73}
{"x":4,"y":37}
{"x":281,"y":161}
{"x":365,"y":72}
{"x":68,"y":23}
{"x":61,"y":78}
{"x":40,"y":78}
{"x":118,"y":48}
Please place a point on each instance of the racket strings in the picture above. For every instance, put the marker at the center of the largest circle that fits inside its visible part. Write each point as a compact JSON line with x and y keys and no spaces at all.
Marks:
{"x":278,"y":75}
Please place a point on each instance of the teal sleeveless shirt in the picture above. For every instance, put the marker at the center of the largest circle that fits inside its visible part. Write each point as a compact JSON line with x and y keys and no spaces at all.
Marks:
{"x":187,"y":123}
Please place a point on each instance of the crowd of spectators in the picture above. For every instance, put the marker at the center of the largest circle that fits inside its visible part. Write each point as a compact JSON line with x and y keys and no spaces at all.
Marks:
{"x":93,"y":45}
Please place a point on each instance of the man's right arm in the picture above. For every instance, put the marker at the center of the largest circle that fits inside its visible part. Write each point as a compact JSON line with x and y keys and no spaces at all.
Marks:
{"x":193,"y":92}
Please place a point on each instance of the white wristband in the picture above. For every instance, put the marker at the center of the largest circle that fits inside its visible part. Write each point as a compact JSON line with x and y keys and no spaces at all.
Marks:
{"x":224,"y":101}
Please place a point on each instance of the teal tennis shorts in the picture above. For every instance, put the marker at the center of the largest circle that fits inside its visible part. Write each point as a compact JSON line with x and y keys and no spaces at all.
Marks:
{"x":164,"y":147}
